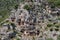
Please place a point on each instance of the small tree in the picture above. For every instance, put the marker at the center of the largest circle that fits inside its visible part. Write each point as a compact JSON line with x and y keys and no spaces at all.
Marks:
{"x":27,"y":7}
{"x":49,"y":25}
{"x":16,"y":7}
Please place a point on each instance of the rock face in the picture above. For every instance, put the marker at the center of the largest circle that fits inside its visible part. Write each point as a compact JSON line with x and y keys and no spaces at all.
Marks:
{"x":31,"y":23}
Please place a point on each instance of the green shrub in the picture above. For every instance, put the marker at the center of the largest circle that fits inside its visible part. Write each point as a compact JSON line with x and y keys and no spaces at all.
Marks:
{"x":27,"y":7}
{"x":58,"y":38}
{"x":49,"y":39}
{"x":54,"y":2}
{"x":49,"y":25}
{"x":17,"y":39}
{"x":6,"y":6}
{"x":57,"y":26}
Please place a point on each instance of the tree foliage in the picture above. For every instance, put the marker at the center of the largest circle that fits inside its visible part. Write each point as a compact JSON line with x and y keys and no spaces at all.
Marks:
{"x":6,"y":6}
{"x":27,"y":7}
{"x":54,"y":2}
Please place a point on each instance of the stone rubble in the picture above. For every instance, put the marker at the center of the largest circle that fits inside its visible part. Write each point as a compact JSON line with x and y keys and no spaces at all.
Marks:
{"x":31,"y":24}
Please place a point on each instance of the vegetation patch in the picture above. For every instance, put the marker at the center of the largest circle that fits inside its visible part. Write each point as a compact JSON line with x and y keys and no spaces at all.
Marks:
{"x":27,"y":7}
{"x":49,"y":25}
{"x":6,"y":6}
{"x":49,"y":39}
{"x":54,"y":2}
{"x":58,"y":38}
